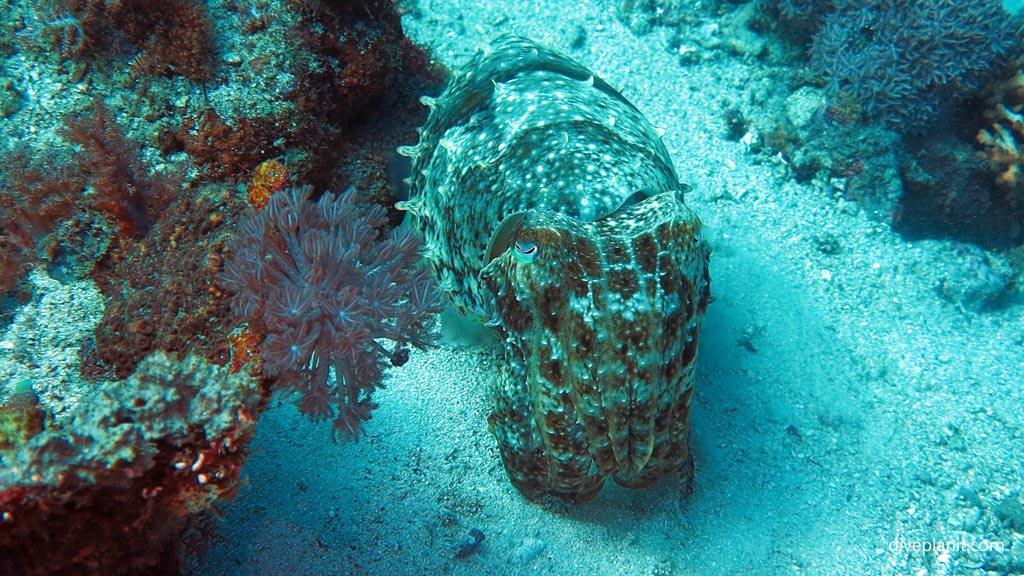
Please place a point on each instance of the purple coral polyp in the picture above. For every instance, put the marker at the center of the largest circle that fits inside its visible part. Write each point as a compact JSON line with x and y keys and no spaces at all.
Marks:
{"x":327,"y":291}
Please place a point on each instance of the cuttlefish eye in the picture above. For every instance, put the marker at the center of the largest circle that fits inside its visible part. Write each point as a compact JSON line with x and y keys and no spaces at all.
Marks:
{"x":526,"y":252}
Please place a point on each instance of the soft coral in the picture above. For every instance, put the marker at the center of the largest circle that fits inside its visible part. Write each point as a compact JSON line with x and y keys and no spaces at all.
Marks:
{"x":123,"y":187}
{"x":37,"y":194}
{"x":318,"y":281}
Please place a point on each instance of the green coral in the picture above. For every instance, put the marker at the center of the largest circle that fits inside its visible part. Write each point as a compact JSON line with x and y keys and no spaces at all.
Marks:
{"x":122,"y":424}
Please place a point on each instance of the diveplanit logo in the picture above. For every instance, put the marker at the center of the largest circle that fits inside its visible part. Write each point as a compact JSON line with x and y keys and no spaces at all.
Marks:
{"x":901,"y":545}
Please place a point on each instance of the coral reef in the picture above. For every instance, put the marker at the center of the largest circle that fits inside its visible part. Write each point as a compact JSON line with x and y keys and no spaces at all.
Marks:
{"x":353,"y":63}
{"x":161,"y":291}
{"x":171,"y":37}
{"x":46,"y":192}
{"x":42,"y":343}
{"x":598,"y":292}
{"x":124,"y":476}
{"x":949,"y":192}
{"x":801,"y":135}
{"x":118,"y":469}
{"x":20,"y":416}
{"x":109,"y":477}
{"x":36,"y":196}
{"x":324,"y":289}
{"x":971,"y":191}
{"x":908,"y":63}
{"x":906,"y":86}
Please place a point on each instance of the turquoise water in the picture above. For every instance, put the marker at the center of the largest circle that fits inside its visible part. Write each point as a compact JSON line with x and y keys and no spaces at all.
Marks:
{"x":221,"y":351}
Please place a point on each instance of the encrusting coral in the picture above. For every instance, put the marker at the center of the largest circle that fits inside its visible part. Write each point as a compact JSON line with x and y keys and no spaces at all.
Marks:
{"x":147,"y":452}
{"x":161,"y":293}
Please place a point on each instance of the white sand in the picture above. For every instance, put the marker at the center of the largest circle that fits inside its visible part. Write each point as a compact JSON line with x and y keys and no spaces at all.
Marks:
{"x":864,"y":407}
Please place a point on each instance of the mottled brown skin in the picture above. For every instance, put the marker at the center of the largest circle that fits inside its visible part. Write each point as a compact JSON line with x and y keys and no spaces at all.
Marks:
{"x":601,"y":329}
{"x":550,"y":207}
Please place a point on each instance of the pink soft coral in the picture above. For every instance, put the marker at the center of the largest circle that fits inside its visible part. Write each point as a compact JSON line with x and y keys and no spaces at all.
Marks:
{"x":317,"y":279}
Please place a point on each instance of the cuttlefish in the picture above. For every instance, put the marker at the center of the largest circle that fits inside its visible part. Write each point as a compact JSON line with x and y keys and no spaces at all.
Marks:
{"x":550,"y":209}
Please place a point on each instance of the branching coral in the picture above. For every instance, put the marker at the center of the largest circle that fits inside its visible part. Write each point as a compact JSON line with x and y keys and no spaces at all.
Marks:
{"x":316,"y":279}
